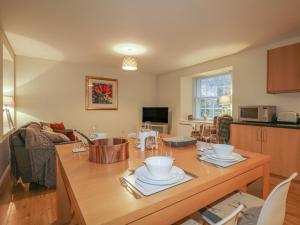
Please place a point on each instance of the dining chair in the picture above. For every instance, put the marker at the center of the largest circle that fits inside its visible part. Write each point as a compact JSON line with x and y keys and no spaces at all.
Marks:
{"x":257,"y":211}
{"x":232,"y":218}
{"x":223,"y":128}
{"x":228,"y":220}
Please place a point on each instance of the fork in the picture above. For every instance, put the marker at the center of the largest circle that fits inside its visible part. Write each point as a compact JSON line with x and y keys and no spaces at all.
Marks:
{"x":131,"y":171}
{"x":128,"y":188}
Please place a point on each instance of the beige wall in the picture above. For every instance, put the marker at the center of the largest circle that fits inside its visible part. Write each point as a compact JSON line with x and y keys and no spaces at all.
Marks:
{"x":186,"y":96}
{"x":55,"y":91}
{"x":249,"y":83}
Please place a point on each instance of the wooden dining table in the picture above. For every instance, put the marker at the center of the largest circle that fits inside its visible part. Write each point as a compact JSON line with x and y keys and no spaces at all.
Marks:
{"x":91,"y":194}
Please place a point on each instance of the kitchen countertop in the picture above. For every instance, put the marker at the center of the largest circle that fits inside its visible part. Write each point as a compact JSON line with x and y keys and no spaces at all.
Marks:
{"x":262,"y":124}
{"x":195,"y":121}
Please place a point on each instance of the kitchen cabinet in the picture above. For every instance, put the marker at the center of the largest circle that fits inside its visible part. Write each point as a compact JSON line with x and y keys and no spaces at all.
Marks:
{"x":283,"y":147}
{"x":283,"y":69}
{"x":246,"y":137}
{"x":282,"y":144}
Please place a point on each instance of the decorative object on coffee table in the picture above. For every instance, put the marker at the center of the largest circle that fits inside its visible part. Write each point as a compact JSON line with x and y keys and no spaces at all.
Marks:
{"x":109,"y":150}
{"x":101,"y":93}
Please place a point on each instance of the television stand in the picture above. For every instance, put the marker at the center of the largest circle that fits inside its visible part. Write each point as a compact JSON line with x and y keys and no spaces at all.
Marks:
{"x":162,"y":128}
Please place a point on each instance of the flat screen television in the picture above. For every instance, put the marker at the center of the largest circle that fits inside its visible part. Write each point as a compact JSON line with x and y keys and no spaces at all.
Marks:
{"x":155,"y":114}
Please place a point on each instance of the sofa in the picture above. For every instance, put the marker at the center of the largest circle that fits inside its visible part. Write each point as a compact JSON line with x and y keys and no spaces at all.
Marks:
{"x":32,"y":150}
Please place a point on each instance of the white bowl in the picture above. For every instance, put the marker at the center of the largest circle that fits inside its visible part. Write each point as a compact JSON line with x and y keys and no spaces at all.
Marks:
{"x":159,"y":166}
{"x":223,"y":149}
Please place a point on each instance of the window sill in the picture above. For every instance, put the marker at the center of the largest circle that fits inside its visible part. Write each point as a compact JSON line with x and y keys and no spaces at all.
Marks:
{"x":197,"y":121}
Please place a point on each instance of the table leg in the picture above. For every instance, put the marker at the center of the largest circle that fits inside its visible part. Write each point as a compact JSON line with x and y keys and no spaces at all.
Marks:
{"x":62,"y":200}
{"x":243,"y":189}
{"x":266,"y":180}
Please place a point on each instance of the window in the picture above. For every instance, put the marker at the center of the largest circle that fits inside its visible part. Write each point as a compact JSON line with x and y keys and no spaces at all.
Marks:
{"x":212,"y":96}
{"x":8,"y":90}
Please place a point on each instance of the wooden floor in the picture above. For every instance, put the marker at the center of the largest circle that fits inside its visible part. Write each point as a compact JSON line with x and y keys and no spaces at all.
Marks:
{"x":293,"y":203}
{"x":38,"y":207}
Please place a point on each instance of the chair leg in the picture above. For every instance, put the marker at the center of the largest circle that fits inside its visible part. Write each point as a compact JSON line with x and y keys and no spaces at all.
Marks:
{"x":26,"y":187}
{"x":243,"y":189}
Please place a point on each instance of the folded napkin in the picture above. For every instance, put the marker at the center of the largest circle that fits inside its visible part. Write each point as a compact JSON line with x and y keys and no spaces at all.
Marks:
{"x":220,"y":163}
{"x":149,"y":189}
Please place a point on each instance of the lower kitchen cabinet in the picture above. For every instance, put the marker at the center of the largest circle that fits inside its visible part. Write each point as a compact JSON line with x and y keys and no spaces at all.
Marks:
{"x":246,"y":137}
{"x":282,"y":144}
{"x":283,"y":147}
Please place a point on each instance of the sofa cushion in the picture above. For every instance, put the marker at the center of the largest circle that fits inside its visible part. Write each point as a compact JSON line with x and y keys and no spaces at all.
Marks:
{"x":55,"y":137}
{"x":68,"y":132}
{"x":57,"y":126}
{"x":71,"y":136}
{"x":44,"y":124}
{"x":47,"y":128}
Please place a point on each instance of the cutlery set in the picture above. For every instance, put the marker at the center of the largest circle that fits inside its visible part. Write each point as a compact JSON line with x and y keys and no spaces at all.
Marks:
{"x":129,"y":188}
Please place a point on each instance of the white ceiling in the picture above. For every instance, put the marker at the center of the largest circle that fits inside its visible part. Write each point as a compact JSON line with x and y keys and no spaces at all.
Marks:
{"x":176,"y":33}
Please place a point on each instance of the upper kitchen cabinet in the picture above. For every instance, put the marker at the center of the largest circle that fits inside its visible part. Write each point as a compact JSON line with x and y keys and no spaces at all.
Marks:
{"x":284,"y":69}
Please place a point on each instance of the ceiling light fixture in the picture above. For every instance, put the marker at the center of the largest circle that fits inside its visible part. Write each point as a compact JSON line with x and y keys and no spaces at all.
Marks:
{"x":129,"y":49}
{"x":129,"y":63}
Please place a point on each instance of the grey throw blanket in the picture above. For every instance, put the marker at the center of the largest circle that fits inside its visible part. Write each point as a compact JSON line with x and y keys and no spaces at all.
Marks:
{"x":42,"y":156}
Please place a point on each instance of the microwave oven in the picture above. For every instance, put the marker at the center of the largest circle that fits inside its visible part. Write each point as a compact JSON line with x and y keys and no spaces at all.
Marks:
{"x":257,"y":113}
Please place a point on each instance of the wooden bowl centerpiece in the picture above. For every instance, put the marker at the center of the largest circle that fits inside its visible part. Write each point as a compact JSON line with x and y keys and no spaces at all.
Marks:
{"x":109,"y":150}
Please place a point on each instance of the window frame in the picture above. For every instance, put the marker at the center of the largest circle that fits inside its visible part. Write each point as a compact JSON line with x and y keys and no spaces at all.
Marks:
{"x":195,"y":79}
{"x":4,"y":42}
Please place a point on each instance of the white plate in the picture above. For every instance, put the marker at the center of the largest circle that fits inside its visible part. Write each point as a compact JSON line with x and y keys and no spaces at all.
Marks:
{"x":175,"y":171}
{"x":173,"y":174}
{"x":201,"y":146}
{"x":229,"y":158}
{"x":143,"y":175}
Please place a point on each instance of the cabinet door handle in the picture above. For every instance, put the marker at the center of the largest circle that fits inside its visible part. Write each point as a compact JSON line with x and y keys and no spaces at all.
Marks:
{"x":258,"y":134}
{"x":264,"y":136}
